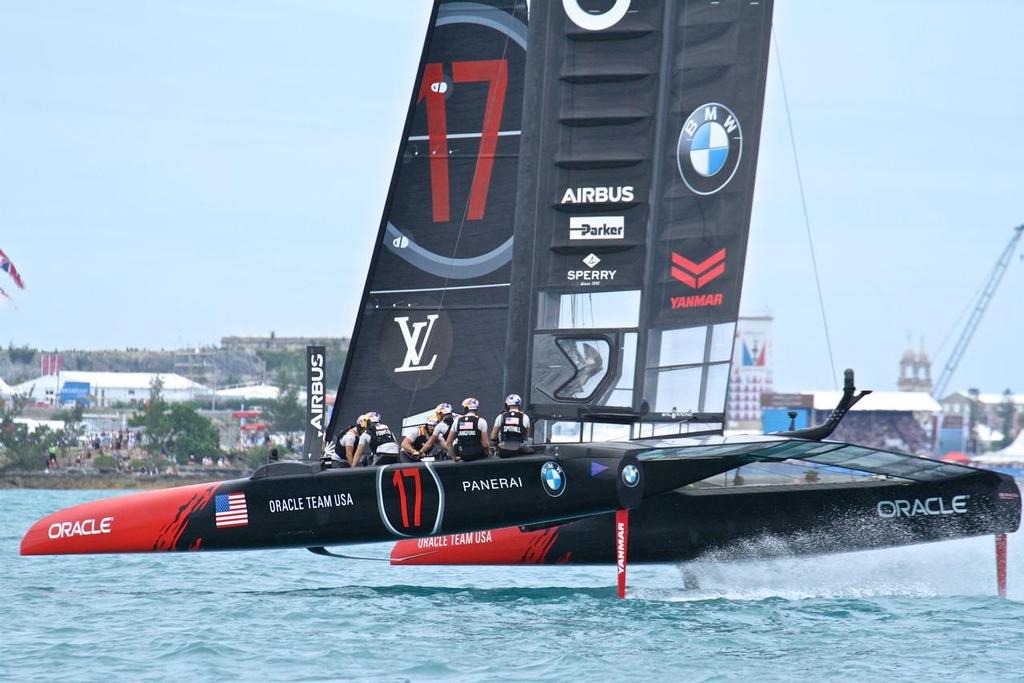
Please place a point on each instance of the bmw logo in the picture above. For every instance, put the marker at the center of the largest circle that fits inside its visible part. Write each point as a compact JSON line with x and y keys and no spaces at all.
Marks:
{"x":630,"y":475}
{"x":553,"y":477}
{"x":709,"y":148}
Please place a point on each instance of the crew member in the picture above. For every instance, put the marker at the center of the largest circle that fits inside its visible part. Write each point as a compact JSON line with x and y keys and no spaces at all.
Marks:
{"x":445,"y":419}
{"x":377,"y":445}
{"x":511,"y":428}
{"x":348,"y":442}
{"x":414,"y":439}
{"x":468,"y":440}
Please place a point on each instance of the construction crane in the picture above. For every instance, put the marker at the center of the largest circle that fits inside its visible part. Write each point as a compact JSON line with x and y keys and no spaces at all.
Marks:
{"x":942,"y":383}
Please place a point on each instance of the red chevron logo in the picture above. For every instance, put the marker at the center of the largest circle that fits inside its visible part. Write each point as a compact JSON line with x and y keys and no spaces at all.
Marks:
{"x":696,"y":275}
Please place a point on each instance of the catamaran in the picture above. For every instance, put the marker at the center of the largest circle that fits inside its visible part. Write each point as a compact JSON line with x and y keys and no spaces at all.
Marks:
{"x":568,"y":219}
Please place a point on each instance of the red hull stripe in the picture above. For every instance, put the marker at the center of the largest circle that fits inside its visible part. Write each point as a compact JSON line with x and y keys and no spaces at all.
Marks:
{"x":140,"y":522}
{"x":499,"y":546}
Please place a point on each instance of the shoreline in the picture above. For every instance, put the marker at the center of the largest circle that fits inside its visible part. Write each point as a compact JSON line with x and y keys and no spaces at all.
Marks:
{"x":63,"y":481}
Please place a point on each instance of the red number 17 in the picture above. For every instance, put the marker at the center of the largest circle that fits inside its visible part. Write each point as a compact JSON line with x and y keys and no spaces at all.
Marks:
{"x":398,"y":481}
{"x":495,"y":73}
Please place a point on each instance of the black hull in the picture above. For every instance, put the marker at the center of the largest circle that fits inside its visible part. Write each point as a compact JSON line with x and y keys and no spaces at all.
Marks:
{"x":751,"y":522}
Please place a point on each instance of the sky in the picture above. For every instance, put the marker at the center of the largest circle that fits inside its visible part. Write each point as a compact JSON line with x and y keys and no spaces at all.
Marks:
{"x":175,"y":172}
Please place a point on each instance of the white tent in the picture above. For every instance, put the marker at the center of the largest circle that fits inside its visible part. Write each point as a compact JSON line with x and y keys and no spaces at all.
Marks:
{"x":1015,"y":449}
{"x":1012,"y":454}
{"x":255,"y":392}
{"x":5,"y":389}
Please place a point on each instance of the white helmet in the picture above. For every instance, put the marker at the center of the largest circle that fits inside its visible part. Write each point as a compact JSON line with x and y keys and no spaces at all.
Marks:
{"x":471,"y":403}
{"x":513,"y":400}
{"x":373,"y":416}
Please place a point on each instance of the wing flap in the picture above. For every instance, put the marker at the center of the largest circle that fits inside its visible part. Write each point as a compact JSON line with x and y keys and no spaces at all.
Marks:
{"x":831,"y":453}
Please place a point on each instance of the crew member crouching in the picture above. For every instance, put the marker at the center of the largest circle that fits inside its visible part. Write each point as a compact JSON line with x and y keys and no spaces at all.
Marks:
{"x":414,"y":440}
{"x":377,"y":445}
{"x":445,"y":420}
{"x":348,"y":442}
{"x":468,"y":441}
{"x":512,"y":428}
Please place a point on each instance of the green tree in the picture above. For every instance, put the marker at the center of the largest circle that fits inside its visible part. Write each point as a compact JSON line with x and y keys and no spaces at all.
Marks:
{"x":1006,"y":412}
{"x":22,"y":448}
{"x":175,"y":429}
{"x":287,"y":413}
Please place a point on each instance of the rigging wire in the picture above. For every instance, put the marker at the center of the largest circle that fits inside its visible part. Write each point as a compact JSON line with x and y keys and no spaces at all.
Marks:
{"x":807,"y":220}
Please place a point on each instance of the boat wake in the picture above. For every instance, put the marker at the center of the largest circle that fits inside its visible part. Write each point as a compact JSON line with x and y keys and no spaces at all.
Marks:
{"x":954,"y":568}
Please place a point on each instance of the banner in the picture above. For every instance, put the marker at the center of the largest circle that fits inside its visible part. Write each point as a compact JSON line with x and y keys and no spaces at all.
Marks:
{"x":316,"y":361}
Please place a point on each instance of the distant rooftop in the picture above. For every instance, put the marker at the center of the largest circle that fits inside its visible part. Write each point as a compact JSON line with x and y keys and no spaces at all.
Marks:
{"x":117,"y":380}
{"x":986,"y":398}
{"x":275,"y":343}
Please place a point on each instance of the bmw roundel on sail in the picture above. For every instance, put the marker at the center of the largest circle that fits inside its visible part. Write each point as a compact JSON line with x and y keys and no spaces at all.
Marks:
{"x":710,"y":148}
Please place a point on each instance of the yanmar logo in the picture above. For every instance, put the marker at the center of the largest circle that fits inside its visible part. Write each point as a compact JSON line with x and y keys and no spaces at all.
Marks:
{"x":887,"y":509}
{"x":696,"y":276}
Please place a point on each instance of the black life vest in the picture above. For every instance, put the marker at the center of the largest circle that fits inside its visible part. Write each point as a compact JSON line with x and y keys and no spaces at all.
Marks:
{"x":338,"y":448}
{"x":512,"y":428}
{"x":380,"y":434}
{"x":448,"y":420}
{"x":421,"y":438}
{"x":467,"y":436}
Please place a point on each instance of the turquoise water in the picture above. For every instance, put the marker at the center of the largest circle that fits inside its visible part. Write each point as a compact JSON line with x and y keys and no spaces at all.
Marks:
{"x":925,"y":613}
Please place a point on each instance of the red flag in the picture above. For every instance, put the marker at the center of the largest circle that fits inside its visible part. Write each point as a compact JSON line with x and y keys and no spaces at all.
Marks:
{"x":8,"y":267}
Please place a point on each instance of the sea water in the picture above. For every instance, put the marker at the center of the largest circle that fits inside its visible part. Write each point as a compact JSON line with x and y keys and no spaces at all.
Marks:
{"x":923,"y":613}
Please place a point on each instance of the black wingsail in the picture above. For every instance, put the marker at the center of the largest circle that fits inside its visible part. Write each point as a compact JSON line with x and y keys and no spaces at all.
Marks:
{"x":433,"y":321}
{"x":636,"y":180}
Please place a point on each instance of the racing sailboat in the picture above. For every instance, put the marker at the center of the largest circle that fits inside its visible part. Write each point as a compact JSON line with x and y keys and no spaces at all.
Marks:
{"x":567,"y":219}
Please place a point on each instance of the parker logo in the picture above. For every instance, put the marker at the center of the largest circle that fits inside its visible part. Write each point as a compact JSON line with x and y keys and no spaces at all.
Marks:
{"x":416,"y":337}
{"x":887,"y":509}
{"x":597,"y":227}
{"x":697,"y":275}
{"x":597,"y":21}
{"x":592,"y":276}
{"x":598,"y":195}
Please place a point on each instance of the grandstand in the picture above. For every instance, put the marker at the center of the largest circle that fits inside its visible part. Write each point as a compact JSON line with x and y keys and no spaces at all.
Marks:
{"x":903,"y":421}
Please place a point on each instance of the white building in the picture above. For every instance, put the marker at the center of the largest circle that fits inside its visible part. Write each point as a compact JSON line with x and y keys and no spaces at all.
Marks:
{"x":5,"y":389}
{"x":252,"y":392}
{"x":108,"y":388}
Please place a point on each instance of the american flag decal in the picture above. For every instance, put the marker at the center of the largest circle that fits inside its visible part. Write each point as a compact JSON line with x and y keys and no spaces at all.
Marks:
{"x":231,"y":510}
